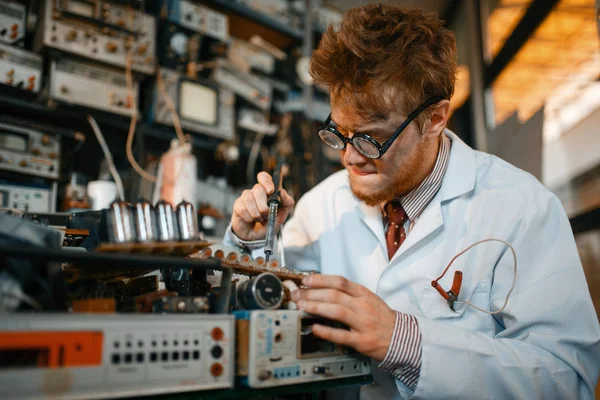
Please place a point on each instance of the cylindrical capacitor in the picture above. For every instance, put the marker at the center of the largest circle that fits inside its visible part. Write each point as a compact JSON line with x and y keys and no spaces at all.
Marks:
{"x":166,"y":222}
{"x":245,"y":260}
{"x":120,"y":223}
{"x":145,"y":221}
{"x":232,"y":258}
{"x":263,"y":292}
{"x":187,"y":220}
{"x":206,"y":253}
{"x":259,"y":263}
{"x":273,"y":265}
{"x":219,"y":254}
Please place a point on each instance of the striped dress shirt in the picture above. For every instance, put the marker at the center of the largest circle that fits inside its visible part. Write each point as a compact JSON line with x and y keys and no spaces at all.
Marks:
{"x":403,"y":358}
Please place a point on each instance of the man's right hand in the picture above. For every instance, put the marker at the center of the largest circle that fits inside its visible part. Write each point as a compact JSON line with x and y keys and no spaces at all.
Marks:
{"x":251,"y":212}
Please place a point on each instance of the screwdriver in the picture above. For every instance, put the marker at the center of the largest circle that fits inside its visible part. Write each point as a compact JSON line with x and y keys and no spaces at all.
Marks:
{"x":274,"y":202}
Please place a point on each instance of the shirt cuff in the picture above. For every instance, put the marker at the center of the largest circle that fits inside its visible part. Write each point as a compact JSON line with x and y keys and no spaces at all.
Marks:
{"x":247,"y":244}
{"x":403,"y":358}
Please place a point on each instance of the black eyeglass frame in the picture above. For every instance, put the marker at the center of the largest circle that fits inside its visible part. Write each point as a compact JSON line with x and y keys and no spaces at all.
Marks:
{"x":388,"y":143}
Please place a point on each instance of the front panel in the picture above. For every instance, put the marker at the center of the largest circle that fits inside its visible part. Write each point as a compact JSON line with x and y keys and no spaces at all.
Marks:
{"x":67,"y":356}
{"x":91,"y":86}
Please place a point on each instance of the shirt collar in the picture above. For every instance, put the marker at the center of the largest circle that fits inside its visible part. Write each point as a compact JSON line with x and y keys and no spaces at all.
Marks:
{"x":417,"y":200}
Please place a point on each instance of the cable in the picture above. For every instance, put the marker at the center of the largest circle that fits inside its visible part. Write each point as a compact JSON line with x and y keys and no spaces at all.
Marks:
{"x":514,"y":276}
{"x":80,"y":138}
{"x":171,"y":106}
{"x":108,"y":156}
{"x":132,"y":124}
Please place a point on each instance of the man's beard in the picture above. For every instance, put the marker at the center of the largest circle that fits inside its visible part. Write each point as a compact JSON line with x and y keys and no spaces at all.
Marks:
{"x":381,"y":196}
{"x":401,"y":184}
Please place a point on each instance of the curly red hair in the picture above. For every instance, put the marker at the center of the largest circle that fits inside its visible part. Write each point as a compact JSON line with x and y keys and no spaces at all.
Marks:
{"x":382,"y":56}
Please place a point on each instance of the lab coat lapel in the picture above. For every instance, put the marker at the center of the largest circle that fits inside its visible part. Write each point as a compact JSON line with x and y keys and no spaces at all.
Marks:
{"x":372,"y":217}
{"x":431,"y":219}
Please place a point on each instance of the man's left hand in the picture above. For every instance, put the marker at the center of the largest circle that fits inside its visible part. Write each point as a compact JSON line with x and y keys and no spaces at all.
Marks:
{"x":370,"y":320}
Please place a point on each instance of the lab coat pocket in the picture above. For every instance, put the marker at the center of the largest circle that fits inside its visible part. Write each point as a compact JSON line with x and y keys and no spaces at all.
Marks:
{"x":434,"y":306}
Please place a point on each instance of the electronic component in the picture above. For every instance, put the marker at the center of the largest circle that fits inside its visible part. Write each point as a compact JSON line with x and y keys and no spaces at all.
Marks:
{"x":254,"y":89}
{"x":177,"y":46}
{"x":177,"y":304}
{"x":101,"y":30}
{"x":20,"y":68}
{"x":203,"y":107}
{"x":274,"y":202}
{"x":12,"y":21}
{"x":27,"y":197}
{"x":29,"y":152}
{"x":92,"y":86}
{"x":263,"y":292}
{"x":246,"y":56}
{"x":107,"y":356}
{"x":197,"y":18}
{"x":243,"y":264}
{"x":278,"y":348}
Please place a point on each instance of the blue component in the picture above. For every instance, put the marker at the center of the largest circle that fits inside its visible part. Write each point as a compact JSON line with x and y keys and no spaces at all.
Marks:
{"x":174,"y":8}
{"x":242,"y":315}
{"x":287,"y":372}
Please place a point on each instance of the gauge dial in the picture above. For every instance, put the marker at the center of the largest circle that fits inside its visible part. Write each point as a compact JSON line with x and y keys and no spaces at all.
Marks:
{"x":264,"y":291}
{"x":179,"y":44}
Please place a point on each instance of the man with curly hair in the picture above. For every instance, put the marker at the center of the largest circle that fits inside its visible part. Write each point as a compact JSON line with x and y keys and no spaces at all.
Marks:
{"x":412,"y":196}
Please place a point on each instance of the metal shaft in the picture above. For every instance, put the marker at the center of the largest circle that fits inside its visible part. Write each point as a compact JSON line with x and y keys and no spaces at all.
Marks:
{"x":273,"y":208}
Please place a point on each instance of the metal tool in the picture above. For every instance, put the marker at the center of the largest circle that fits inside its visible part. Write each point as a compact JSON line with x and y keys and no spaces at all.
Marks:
{"x":273,"y":202}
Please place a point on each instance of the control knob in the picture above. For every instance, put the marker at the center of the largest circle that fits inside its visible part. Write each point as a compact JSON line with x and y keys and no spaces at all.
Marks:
{"x":111,"y":47}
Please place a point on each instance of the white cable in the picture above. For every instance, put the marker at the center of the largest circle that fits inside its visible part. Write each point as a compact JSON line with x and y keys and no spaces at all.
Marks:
{"x":108,"y":156}
{"x":514,"y":275}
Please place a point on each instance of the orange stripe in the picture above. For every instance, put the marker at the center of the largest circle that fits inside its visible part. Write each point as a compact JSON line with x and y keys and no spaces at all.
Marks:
{"x":79,"y":349}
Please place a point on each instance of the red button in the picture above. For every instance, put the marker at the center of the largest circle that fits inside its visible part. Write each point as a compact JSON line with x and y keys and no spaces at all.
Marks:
{"x":216,"y":370}
{"x":217,"y":333}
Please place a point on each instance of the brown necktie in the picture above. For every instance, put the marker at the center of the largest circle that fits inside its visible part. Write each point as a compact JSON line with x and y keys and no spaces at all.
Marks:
{"x":394,"y":233}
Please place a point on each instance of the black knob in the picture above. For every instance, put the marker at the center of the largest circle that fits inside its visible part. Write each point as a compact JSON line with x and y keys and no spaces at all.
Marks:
{"x":216,"y":351}
{"x":320,"y":370}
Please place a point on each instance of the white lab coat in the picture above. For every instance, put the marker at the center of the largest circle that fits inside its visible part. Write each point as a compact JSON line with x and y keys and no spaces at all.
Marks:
{"x":545,"y":344}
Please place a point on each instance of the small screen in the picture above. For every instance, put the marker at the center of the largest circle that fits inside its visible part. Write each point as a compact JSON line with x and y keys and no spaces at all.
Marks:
{"x":198,"y":103}
{"x":24,"y":358}
{"x":312,"y":346}
{"x":13,"y":142}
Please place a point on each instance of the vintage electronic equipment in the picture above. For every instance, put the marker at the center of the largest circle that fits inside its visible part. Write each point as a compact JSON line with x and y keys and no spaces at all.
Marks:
{"x":92,"y":86}
{"x":27,"y":197}
{"x":105,"y":356}
{"x":100,"y":30}
{"x":197,"y":18}
{"x":20,"y":68}
{"x":13,"y":17}
{"x":243,"y":264}
{"x":28,"y":151}
{"x":247,"y":56}
{"x":254,"y":89}
{"x":277,"y":348}
{"x":203,"y":107}
{"x":177,"y":46}
{"x":262,"y":292}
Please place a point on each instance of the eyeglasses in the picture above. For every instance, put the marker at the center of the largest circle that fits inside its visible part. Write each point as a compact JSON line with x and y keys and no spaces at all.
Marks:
{"x":365,"y":144}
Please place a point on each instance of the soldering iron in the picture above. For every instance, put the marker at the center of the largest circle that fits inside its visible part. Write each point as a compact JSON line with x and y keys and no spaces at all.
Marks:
{"x":274,"y":202}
